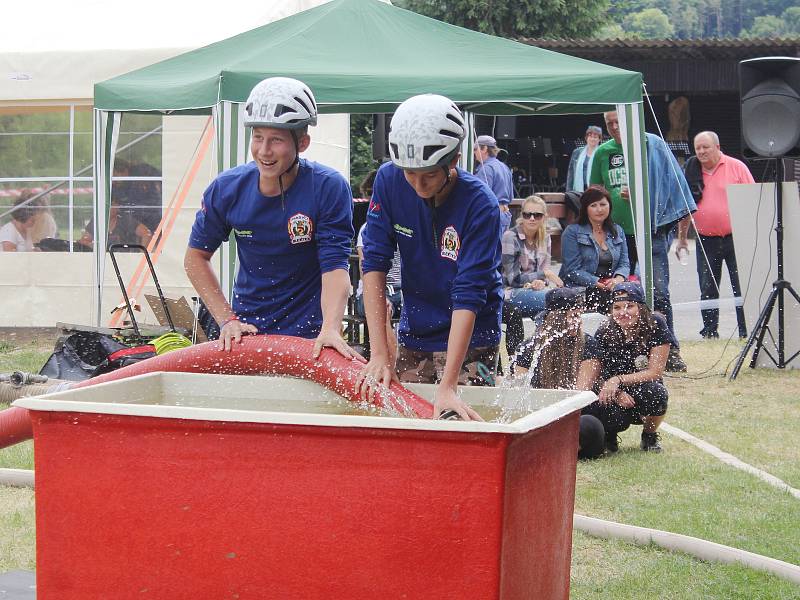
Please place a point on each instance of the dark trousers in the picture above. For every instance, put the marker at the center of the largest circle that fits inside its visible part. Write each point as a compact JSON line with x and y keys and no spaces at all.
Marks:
{"x":651,"y":400}
{"x":633,"y":254}
{"x":717,"y":249}
{"x":515,"y":328}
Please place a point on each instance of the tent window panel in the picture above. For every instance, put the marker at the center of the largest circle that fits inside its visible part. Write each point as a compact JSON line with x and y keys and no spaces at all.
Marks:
{"x":34,"y":143}
{"x":140,"y":142}
{"x":83,"y":124}
{"x":136,"y":186}
{"x":49,"y":149}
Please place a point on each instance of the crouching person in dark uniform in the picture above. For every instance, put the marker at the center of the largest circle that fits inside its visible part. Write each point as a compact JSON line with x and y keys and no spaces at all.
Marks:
{"x":627,"y":364}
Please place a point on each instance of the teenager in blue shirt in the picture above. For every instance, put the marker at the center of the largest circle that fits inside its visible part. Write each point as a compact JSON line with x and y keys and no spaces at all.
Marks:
{"x":293,"y":224}
{"x":444,"y":222}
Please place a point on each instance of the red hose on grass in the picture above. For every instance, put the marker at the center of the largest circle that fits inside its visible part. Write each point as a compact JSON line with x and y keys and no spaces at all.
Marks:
{"x":256,"y":355}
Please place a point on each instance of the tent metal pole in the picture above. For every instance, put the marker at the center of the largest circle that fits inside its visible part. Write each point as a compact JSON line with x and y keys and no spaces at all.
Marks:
{"x":634,"y":144}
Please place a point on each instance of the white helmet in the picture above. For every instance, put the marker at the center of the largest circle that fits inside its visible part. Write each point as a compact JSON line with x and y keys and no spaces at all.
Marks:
{"x":426,"y":131}
{"x":282,"y":103}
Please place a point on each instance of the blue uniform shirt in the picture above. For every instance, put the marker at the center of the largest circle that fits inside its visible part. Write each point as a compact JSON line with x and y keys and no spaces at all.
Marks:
{"x":282,"y":250}
{"x":450,"y":257}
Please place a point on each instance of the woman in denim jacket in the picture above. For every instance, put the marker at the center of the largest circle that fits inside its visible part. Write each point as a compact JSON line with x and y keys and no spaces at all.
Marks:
{"x":594,"y":252}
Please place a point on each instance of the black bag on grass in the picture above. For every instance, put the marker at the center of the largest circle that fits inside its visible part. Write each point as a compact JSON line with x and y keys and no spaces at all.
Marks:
{"x":85,"y":354}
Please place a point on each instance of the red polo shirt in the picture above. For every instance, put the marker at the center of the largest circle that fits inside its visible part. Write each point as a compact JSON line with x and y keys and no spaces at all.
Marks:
{"x":712,"y":216}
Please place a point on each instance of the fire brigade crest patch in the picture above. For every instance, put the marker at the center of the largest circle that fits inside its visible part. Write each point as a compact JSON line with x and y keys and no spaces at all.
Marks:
{"x":451,"y":243}
{"x":300,"y":228}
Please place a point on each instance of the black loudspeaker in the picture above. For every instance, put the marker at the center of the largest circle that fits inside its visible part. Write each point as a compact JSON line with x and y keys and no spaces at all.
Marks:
{"x":769,"y":92}
{"x":506,"y":128}
{"x":380,"y":136}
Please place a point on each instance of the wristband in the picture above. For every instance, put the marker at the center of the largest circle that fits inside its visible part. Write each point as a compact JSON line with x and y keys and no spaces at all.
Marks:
{"x":229,"y":319}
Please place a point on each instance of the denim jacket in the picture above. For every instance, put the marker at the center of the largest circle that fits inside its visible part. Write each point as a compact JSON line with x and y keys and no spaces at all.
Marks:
{"x":580,"y":254}
{"x":670,"y":196}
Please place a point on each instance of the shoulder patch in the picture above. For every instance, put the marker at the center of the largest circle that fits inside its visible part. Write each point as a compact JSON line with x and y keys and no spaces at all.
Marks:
{"x":451,"y":243}
{"x":300,"y":228}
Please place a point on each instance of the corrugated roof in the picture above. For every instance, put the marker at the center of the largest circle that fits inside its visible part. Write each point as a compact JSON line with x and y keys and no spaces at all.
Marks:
{"x":639,"y":49}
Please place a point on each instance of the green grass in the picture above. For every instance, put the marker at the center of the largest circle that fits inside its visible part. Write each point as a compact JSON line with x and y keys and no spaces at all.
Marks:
{"x":613,"y":569}
{"x":17,"y":532}
{"x":682,"y":490}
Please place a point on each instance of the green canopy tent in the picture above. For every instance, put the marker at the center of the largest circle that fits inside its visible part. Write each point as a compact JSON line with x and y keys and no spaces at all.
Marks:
{"x":366,"y":56}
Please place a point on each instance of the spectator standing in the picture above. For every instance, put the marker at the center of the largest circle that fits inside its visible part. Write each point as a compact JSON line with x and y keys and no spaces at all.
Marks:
{"x":581,"y":159}
{"x":709,"y":173}
{"x":293,"y":225}
{"x":445,"y":223}
{"x":608,"y":169}
{"x":496,"y":175}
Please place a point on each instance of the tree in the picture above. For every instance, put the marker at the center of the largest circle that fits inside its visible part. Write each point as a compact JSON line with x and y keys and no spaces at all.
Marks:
{"x":769,"y":26}
{"x":649,"y":23}
{"x":791,"y":20}
{"x":518,"y":18}
{"x":361,"y":161}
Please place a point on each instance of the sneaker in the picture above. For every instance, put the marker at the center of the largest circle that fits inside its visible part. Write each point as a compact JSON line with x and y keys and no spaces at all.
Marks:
{"x":709,"y":335}
{"x":612,"y":441}
{"x":675,"y":363}
{"x":650,"y":442}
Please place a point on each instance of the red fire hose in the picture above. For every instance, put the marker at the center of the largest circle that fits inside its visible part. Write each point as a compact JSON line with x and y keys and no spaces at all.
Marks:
{"x":256,"y":355}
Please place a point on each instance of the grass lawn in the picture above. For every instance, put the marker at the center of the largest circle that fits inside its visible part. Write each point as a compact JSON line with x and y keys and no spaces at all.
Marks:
{"x":683,"y":490}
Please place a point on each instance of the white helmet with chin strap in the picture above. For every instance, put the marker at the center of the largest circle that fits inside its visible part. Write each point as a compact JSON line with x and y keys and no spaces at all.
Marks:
{"x":282,"y":103}
{"x":426,"y":131}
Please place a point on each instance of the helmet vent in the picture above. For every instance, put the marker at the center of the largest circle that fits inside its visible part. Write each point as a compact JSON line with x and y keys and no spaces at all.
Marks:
{"x":427,"y":151}
{"x":304,"y":103}
{"x":449,"y":134}
{"x":282,"y":109}
{"x":455,"y":120}
{"x":395,"y":150}
{"x":310,"y":99}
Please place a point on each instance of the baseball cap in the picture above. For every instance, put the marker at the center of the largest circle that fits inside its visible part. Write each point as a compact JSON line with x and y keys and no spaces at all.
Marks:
{"x":487,"y":140}
{"x":563,"y":298}
{"x":628,"y":291}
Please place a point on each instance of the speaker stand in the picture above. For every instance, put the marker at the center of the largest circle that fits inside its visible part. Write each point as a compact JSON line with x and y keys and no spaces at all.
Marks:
{"x":779,"y":289}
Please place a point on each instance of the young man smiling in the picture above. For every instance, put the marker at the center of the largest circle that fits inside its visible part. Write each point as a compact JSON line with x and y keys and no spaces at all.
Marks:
{"x":293,"y":224}
{"x":444,"y":222}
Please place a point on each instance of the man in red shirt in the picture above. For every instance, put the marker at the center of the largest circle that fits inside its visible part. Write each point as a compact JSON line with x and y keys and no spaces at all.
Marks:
{"x":712,"y":223}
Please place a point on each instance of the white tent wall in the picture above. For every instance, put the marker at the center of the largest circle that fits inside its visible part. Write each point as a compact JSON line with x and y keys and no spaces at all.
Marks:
{"x":40,"y":289}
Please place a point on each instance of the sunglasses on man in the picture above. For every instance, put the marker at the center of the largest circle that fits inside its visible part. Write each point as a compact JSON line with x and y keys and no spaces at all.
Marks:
{"x":533,"y":215}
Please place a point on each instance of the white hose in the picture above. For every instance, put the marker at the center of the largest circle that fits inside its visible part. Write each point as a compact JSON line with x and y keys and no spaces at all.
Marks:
{"x":701,"y":549}
{"x":730,"y":459}
{"x":16,"y":477}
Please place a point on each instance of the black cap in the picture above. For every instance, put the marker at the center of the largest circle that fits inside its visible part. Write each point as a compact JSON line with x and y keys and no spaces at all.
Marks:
{"x":628,"y":291}
{"x":563,"y":298}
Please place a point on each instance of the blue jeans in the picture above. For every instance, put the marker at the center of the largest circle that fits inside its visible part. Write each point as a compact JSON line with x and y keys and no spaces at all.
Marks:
{"x":661,"y":301}
{"x":396,"y":299}
{"x":527,"y":301}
